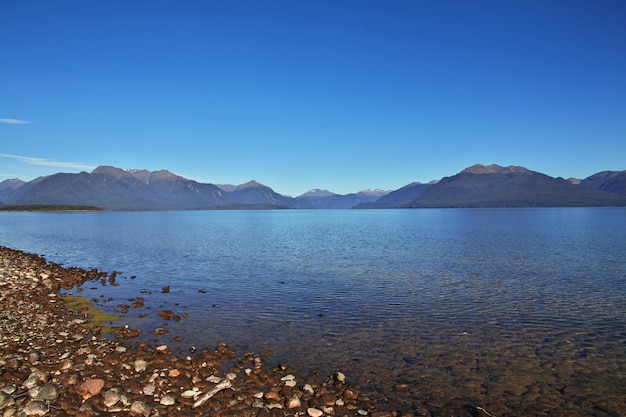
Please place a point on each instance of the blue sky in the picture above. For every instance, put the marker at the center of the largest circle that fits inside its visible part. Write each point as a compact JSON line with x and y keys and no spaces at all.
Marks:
{"x":342,"y":95}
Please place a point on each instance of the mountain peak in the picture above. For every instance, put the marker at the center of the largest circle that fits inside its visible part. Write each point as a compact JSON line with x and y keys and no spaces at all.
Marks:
{"x":249,"y":184}
{"x":495,"y":169}
{"x":317,"y":192}
{"x":141,"y":174}
{"x":11,"y":184}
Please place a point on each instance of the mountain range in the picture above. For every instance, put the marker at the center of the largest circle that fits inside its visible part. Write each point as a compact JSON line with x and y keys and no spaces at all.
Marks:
{"x":477,"y":186}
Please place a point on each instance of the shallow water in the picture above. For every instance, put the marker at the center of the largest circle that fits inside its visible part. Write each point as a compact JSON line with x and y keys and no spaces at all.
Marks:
{"x":521,"y":311}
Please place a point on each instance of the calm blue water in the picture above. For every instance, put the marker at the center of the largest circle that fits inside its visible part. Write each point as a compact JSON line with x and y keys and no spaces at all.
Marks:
{"x":389,"y":296}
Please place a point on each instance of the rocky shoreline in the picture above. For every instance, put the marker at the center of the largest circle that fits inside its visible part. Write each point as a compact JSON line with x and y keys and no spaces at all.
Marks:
{"x":54,"y":362}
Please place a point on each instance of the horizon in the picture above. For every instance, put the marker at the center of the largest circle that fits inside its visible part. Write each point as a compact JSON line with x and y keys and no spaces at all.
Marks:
{"x":341,"y":96}
{"x":317,"y":189}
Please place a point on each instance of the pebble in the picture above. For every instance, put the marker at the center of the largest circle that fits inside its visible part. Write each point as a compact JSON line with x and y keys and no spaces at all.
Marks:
{"x":189,"y":393}
{"x":94,"y":386}
{"x":149,"y":389}
{"x":140,"y":408}
{"x":314,"y":412}
{"x":5,"y":400}
{"x":294,"y":402}
{"x":47,"y":392}
{"x":111,"y":397}
{"x":167,"y":400}
{"x":140,"y":365}
{"x":36,"y":408}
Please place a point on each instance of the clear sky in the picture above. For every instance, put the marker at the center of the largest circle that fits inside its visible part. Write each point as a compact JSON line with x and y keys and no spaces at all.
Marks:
{"x":297,"y":94}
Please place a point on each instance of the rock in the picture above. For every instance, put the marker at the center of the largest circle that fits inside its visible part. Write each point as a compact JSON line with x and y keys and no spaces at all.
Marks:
{"x":308,"y":389}
{"x":36,"y":408}
{"x":139,"y":408}
{"x":162,"y":349}
{"x":173,"y":373}
{"x":31,"y":381}
{"x":93,"y":386}
{"x":340,"y":377}
{"x":111,"y":397}
{"x":167,"y":400}
{"x":189,"y":393}
{"x":140,"y":365}
{"x":314,"y":412}
{"x":5,"y":400}
{"x":294,"y":402}
{"x":149,"y":389}
{"x":47,"y":392}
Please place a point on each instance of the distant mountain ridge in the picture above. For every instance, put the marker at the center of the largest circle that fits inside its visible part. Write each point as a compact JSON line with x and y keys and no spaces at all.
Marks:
{"x":496,"y":186}
{"x":113,"y":188}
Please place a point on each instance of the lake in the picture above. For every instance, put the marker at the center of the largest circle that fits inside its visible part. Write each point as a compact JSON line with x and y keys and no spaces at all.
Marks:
{"x":520,"y":311}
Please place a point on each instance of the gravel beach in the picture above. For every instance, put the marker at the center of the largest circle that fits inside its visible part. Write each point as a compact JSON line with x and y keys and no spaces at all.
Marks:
{"x":54,"y":361}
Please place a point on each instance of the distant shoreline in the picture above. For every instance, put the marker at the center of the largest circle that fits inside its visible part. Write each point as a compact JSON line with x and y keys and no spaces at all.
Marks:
{"x":50,"y":207}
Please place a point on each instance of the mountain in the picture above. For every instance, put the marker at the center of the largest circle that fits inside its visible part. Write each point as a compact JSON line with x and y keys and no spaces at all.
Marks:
{"x":8,"y":187}
{"x":513,"y":186}
{"x":611,"y":181}
{"x":477,"y":186}
{"x":117,"y":189}
{"x":316,"y":193}
{"x":398,"y":198}
{"x":254,"y":193}
{"x":324,"y":199}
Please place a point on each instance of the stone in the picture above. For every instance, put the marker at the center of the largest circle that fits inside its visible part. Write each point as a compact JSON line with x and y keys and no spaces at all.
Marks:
{"x":5,"y":400}
{"x":341,"y":377}
{"x":36,"y":408}
{"x":111,"y":397}
{"x":140,"y":365}
{"x":314,"y":412}
{"x":308,"y":389}
{"x":167,"y":400}
{"x":173,"y":373}
{"x":189,"y":393}
{"x":93,"y":386}
{"x":140,"y":408}
{"x":47,"y":392}
{"x":31,"y":381}
{"x":162,"y":349}
{"x":149,"y":389}
{"x":293,"y":402}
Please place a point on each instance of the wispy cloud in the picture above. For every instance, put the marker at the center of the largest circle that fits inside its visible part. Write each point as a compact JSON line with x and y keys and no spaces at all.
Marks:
{"x":14,"y":121}
{"x":46,"y":162}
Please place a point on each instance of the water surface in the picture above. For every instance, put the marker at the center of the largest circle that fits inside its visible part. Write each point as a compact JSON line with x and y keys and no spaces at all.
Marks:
{"x":522,"y":311}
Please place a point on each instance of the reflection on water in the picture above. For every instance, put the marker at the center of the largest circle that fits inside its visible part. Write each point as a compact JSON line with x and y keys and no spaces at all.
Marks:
{"x":520,"y":311}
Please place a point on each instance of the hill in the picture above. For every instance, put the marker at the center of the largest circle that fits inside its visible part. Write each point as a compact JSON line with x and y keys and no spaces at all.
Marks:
{"x":611,"y":181}
{"x":398,"y":198}
{"x":324,"y":199}
{"x":496,"y":186}
{"x":117,"y":189}
{"x":113,"y":188}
